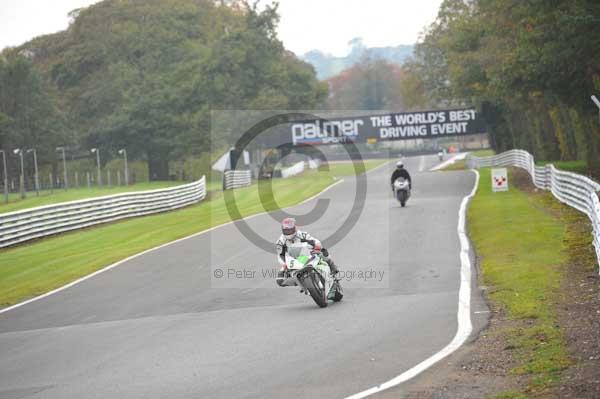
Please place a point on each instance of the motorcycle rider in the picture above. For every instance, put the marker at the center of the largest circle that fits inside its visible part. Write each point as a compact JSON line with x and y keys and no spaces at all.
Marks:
{"x":291,"y":235}
{"x":401,"y":172}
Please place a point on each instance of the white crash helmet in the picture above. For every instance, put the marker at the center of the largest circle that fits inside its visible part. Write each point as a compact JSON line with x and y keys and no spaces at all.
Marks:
{"x":400,"y":164}
{"x":288,"y":228}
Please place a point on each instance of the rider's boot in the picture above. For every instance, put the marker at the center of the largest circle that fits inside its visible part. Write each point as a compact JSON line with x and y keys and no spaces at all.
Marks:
{"x":333,"y":268}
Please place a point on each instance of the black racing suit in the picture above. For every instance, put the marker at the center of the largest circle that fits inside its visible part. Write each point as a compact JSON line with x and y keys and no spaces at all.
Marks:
{"x":401,"y":172}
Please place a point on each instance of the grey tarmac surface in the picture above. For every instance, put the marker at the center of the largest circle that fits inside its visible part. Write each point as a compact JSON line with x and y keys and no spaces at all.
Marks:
{"x":153,"y":327}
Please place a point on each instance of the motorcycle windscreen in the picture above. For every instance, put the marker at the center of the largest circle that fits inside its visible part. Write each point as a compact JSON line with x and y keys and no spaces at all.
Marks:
{"x":297,"y":250}
{"x":400,"y":183}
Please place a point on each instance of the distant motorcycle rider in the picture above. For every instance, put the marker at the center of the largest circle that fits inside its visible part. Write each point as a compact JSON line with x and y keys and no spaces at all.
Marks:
{"x":291,"y":235}
{"x":401,"y":172}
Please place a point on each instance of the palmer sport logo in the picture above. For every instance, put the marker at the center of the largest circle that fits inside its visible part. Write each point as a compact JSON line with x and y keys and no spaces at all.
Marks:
{"x":326,"y":132}
{"x":309,"y":129}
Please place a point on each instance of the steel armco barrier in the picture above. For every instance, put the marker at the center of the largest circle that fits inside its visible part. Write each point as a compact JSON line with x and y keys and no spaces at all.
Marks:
{"x":575,"y":190}
{"x":236,"y":178}
{"x":28,"y":224}
{"x":293,"y":170}
{"x":314,"y":163}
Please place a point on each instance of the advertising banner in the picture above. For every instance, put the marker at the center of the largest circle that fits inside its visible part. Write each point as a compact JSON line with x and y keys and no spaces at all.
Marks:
{"x":385,"y":127}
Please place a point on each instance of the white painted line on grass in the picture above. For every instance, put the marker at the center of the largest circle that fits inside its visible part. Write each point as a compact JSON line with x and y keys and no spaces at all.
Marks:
{"x":448,"y":162}
{"x":109,"y":267}
{"x":464,"y":308}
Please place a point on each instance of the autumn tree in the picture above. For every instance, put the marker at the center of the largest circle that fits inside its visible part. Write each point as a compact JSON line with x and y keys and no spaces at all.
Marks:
{"x":370,"y":85}
{"x":531,"y":67}
{"x":146,"y":74}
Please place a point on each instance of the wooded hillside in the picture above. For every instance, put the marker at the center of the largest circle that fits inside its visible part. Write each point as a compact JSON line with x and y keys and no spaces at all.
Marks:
{"x":145,"y":74}
{"x":530,"y":66}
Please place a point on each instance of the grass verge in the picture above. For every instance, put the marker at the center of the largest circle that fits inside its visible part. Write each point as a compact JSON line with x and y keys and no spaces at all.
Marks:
{"x":580,"y":167}
{"x":483,"y":153}
{"x":521,"y":248}
{"x":590,"y":169}
{"x":41,"y":266}
{"x":47,"y":197}
{"x":458,"y":165}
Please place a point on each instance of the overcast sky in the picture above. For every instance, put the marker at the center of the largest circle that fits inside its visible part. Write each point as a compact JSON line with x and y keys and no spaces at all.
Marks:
{"x":326,"y":25}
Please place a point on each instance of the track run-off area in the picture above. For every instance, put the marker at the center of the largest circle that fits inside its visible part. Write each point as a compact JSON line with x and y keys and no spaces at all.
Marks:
{"x":155,"y":326}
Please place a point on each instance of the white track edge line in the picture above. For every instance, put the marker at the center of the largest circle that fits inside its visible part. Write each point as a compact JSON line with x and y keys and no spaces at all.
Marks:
{"x":464,"y":308}
{"x":111,"y":266}
{"x":448,"y":162}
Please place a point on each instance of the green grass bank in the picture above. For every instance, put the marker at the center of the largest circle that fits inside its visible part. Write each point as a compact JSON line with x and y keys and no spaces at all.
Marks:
{"x":520,"y":244}
{"x":33,"y":269}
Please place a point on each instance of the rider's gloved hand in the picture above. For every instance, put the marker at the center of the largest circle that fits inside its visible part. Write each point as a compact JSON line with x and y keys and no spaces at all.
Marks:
{"x":317,"y":247}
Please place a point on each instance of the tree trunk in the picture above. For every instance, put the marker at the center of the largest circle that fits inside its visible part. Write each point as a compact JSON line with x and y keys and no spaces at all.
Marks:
{"x":158,"y":168}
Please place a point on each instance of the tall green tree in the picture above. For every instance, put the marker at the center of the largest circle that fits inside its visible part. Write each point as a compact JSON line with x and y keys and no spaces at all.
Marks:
{"x":29,"y":116}
{"x":531,"y":67}
{"x":146,"y":74}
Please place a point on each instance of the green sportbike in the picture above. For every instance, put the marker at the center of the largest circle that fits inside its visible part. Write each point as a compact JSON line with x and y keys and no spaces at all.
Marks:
{"x":308,"y":269}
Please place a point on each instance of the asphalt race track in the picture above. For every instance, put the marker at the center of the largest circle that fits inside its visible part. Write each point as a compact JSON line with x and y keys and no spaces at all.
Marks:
{"x":154,"y":328}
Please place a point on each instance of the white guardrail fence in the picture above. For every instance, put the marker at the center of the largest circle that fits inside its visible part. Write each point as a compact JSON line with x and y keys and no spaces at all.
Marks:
{"x":572,"y":189}
{"x":293,"y":170}
{"x":314,"y":163}
{"x":243,"y":178}
{"x":236,"y":178}
{"x":28,"y":224}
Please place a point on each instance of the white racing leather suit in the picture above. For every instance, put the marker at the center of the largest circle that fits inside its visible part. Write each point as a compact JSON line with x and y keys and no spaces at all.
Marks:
{"x":300,"y":237}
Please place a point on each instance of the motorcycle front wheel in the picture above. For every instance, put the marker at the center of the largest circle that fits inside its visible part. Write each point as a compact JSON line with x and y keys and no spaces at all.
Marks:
{"x":402,"y":197}
{"x":315,"y":284}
